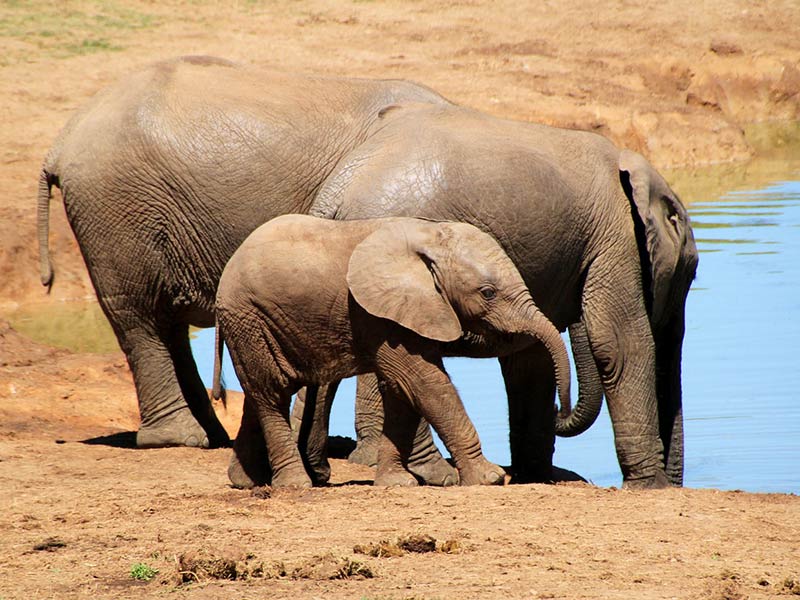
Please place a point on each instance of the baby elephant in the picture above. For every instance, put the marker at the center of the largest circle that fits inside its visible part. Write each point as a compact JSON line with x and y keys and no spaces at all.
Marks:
{"x":306,"y":301}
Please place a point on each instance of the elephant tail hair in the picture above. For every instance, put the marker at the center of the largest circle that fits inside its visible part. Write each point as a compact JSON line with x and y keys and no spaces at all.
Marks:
{"x":218,"y":385}
{"x":46,"y":181}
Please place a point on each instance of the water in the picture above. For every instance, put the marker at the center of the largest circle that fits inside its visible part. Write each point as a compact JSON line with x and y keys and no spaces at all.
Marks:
{"x":741,"y":362}
{"x":741,"y":365}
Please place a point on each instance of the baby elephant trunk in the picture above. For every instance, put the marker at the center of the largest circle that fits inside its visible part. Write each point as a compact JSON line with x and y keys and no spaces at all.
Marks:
{"x":542,"y":329}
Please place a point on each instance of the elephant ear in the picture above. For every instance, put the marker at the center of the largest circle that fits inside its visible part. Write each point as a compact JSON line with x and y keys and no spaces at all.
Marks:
{"x":665,"y":223}
{"x":392,"y":275}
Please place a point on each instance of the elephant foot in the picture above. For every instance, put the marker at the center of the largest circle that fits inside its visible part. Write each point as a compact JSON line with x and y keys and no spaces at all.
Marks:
{"x":291,"y":477}
{"x":217,"y":436}
{"x":658,"y":481}
{"x":482,"y":472}
{"x":366,"y":452}
{"x":544,"y":474}
{"x":394,"y":478}
{"x":437,"y":472}
{"x":320,"y":473}
{"x":245,"y":478}
{"x":179,"y":428}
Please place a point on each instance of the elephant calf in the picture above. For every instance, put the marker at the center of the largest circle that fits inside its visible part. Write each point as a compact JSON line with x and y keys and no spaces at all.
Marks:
{"x":305,"y":301}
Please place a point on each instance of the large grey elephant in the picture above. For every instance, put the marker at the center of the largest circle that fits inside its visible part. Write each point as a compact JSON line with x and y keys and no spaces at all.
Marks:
{"x":166,"y":173}
{"x":305,"y":301}
{"x":600,"y":226}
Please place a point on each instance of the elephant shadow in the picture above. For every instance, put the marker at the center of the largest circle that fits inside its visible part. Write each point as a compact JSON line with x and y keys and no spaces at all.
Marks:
{"x":121,"y":439}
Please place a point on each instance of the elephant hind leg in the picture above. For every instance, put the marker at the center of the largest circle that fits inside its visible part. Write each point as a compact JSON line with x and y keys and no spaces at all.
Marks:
{"x":192,"y":387}
{"x":144,"y":331}
{"x":166,"y":419}
{"x":249,"y":465}
{"x":311,"y":432}
{"x":268,"y":397}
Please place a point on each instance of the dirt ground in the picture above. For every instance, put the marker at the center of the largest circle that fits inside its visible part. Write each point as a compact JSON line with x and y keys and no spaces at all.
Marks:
{"x":82,"y":512}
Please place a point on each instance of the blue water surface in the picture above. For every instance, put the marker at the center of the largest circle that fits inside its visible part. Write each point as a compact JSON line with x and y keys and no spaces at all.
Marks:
{"x":741,"y":367}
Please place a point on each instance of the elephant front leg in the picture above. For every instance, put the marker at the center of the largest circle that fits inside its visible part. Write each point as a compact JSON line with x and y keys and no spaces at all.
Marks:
{"x":624,"y":350}
{"x":531,"y":387}
{"x":193,"y":389}
{"x":397,"y":440}
{"x":425,"y":460}
{"x":424,"y":382}
{"x":369,"y":421}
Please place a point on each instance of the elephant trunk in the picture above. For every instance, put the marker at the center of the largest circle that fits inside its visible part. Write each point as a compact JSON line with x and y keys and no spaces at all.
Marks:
{"x":590,"y":388}
{"x":43,"y":228}
{"x":541,"y":328}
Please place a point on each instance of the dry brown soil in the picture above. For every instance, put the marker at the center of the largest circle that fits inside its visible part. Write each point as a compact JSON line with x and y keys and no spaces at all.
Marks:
{"x":678,"y":80}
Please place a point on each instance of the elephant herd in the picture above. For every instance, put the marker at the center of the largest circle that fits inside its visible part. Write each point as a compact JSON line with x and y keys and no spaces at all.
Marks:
{"x":332,"y":227}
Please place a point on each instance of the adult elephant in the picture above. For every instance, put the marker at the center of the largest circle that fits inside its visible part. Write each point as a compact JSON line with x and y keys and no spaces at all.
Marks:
{"x":164,"y":174}
{"x":600,"y":239}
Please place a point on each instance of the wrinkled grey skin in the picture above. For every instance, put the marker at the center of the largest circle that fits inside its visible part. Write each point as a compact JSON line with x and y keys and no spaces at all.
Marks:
{"x":599,"y":238}
{"x":166,"y":173}
{"x":305,"y":301}
{"x":369,"y":413}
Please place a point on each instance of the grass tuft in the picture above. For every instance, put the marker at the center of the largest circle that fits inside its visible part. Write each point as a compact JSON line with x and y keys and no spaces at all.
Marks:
{"x":143,"y":572}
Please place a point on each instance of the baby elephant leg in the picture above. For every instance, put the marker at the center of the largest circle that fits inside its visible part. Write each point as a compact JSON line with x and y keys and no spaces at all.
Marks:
{"x":249,"y":466}
{"x":422,"y":377}
{"x":284,"y":457}
{"x":312,"y":434}
{"x":268,"y":414}
{"x":426,"y":462}
{"x":400,"y":424}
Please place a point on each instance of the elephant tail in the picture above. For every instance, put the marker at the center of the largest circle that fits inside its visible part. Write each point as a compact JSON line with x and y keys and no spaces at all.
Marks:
{"x":46,"y":181}
{"x":590,"y":388}
{"x":218,"y":385}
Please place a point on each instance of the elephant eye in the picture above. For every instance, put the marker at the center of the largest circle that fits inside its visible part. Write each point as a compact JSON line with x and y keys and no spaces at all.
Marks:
{"x":488,"y":293}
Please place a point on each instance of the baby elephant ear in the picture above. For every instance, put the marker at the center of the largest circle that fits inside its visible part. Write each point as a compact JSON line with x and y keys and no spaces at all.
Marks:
{"x":390,"y":277}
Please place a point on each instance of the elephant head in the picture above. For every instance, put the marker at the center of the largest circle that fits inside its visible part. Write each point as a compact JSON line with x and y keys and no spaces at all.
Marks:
{"x":669,"y":259}
{"x":669,"y":262}
{"x":445,"y":279}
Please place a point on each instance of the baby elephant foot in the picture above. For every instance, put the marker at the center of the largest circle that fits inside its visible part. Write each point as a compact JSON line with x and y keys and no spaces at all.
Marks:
{"x":245,"y":478}
{"x":291,"y":477}
{"x":482,"y":472}
{"x":179,"y":428}
{"x":366,"y":452}
{"x":395,"y":478}
{"x":436,"y":471}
